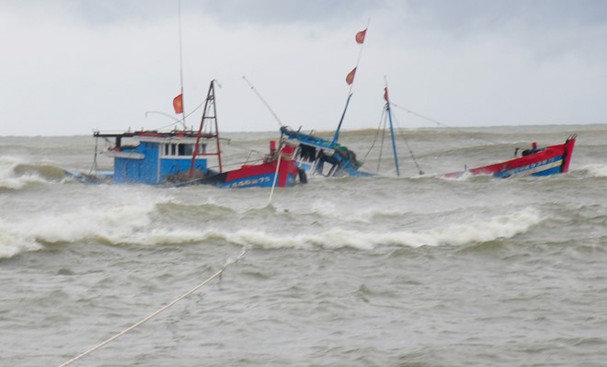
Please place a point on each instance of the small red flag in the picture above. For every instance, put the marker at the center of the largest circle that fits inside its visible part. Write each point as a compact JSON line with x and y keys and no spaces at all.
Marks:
{"x":360,"y":36}
{"x":350,"y":77}
{"x":386,"y":94}
{"x":178,"y":104}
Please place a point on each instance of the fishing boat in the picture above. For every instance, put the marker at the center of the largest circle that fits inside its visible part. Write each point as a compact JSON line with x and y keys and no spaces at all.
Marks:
{"x":534,"y":161}
{"x":316,"y":155}
{"x":319,"y":156}
{"x":277,"y":170}
{"x":181,"y":157}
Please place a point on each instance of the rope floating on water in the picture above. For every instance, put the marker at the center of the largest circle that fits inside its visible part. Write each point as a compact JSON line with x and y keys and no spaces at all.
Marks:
{"x":150,"y":316}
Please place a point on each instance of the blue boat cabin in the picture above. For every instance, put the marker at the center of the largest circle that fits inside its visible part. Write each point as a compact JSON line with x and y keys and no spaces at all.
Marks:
{"x":156,"y":158}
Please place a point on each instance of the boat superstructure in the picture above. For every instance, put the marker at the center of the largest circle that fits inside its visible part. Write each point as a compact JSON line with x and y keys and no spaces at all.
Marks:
{"x":182,"y":157}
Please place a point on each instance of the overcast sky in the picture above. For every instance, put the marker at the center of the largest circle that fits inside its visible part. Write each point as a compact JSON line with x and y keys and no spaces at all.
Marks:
{"x":68,"y":67}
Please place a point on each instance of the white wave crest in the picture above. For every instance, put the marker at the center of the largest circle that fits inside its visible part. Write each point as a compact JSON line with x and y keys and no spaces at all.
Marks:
{"x":596,"y":170}
{"x":474,"y":231}
{"x":133,"y":224}
{"x":10,"y":180}
{"x":114,"y":225}
{"x":7,"y":169}
{"x":13,"y":244}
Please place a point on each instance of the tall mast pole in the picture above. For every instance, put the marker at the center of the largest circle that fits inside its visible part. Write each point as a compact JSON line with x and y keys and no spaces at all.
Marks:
{"x":209,"y":112}
{"x":387,"y":98}
{"x":351,"y":82}
{"x":360,"y":53}
{"x":181,"y":64}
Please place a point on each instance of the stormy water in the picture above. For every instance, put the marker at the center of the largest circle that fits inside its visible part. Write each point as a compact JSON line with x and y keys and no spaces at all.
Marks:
{"x":416,"y":270}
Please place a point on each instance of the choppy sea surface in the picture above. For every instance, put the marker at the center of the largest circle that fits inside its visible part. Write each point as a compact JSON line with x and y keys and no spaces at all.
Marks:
{"x":416,"y":270}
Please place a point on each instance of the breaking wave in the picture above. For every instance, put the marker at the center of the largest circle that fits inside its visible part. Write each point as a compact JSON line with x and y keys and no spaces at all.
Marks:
{"x":595,"y":170}
{"x":115,"y":225}
{"x":16,"y":174}
{"x":134,"y":225}
{"x":478,"y":231}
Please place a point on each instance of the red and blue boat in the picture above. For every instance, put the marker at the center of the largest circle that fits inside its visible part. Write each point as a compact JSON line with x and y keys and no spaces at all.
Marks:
{"x":277,"y":170}
{"x":535,"y":161}
{"x":181,"y":157}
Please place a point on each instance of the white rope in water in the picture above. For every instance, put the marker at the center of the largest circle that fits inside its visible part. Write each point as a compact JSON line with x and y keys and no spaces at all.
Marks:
{"x":275,"y":174}
{"x":150,"y":316}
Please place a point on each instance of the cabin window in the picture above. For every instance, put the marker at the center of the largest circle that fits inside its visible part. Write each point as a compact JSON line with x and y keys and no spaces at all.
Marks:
{"x":181,"y":150}
{"x":186,"y":149}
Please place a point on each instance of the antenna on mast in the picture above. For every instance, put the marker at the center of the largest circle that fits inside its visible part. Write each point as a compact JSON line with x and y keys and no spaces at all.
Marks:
{"x":181,"y":64}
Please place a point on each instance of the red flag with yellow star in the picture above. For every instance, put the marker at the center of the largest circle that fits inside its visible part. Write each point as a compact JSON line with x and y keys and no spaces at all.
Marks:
{"x":178,"y":104}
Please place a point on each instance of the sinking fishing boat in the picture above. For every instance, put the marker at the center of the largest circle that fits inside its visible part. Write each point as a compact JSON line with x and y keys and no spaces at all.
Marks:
{"x":325,"y":157}
{"x":277,"y":170}
{"x":320,"y":156}
{"x":181,"y":157}
{"x":535,"y":161}
{"x":315,"y":154}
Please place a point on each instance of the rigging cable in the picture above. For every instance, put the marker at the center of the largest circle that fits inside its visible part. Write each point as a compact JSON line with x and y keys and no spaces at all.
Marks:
{"x":263,"y":101}
{"x":442,"y":124}
{"x":150,"y":316}
{"x":381,"y":119}
{"x":177,"y":121}
{"x":94,"y":166}
{"x":421,"y":172}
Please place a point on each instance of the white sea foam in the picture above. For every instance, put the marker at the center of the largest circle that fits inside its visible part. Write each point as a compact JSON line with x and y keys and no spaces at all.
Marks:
{"x":7,"y":178}
{"x":12,"y":181}
{"x":16,"y":183}
{"x":133,"y":224}
{"x":475,"y":231}
{"x":12,"y":244}
{"x":115,"y":225}
{"x":596,"y":170}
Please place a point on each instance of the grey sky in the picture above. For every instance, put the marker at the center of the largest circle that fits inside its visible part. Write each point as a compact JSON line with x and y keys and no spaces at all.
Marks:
{"x":71,"y":66}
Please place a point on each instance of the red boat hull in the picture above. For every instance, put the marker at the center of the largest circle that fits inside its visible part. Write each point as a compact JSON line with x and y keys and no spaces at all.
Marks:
{"x":264,"y":174}
{"x":551,"y":160}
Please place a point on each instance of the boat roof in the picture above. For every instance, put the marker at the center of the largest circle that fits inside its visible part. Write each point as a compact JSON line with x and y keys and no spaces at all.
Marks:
{"x":156,"y":136}
{"x":311,"y":140}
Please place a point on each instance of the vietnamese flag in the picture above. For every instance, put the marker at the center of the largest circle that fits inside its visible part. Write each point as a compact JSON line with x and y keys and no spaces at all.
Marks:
{"x":178,"y":104}
{"x":350,"y":77}
{"x":360,"y":36}
{"x":386,"y":94}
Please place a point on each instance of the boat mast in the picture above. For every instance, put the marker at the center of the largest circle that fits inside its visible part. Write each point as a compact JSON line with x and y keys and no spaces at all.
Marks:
{"x":360,"y":39}
{"x":389,"y":113}
{"x":181,"y":65}
{"x":336,"y":136}
{"x":209,"y":112}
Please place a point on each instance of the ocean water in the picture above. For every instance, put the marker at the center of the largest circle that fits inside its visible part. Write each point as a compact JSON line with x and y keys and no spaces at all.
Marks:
{"x":416,"y":270}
